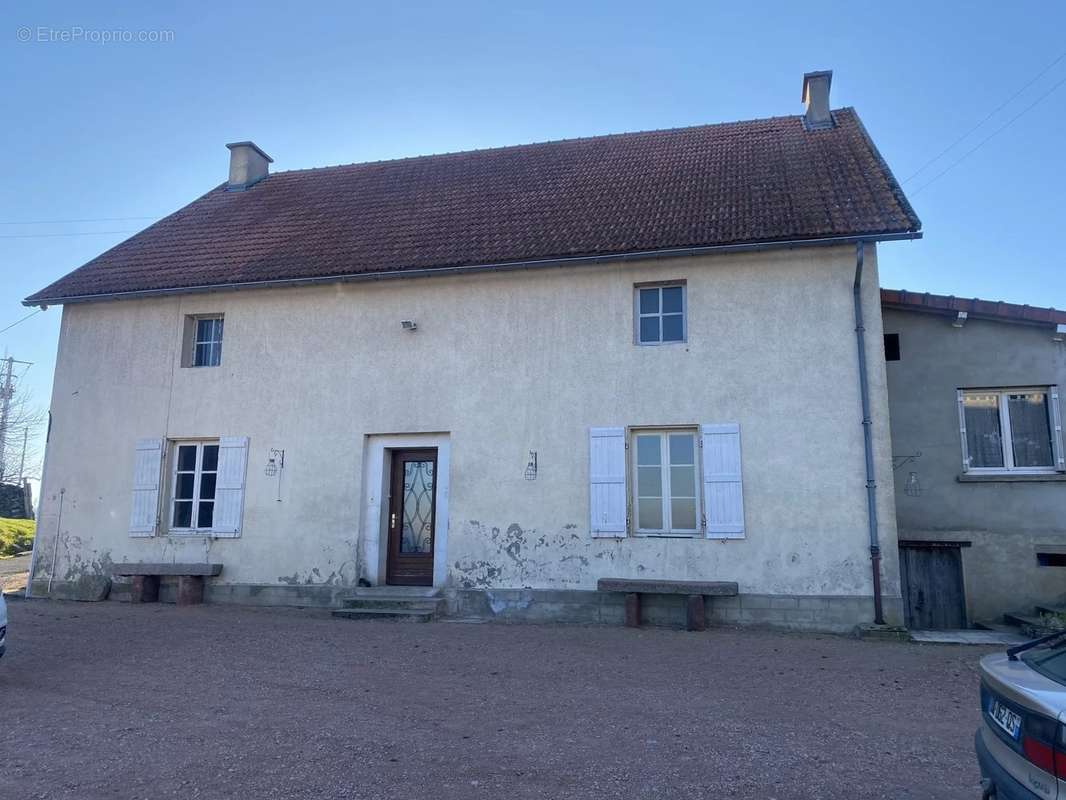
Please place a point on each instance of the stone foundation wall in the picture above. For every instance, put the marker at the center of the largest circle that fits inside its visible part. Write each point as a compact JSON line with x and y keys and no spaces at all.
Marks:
{"x":16,"y":502}
{"x":827,"y":613}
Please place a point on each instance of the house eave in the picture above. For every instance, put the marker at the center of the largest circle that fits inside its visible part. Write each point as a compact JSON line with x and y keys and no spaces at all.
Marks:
{"x":43,"y":302}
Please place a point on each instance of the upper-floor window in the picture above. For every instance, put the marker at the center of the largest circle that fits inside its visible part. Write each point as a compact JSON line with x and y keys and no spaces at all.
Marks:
{"x":1011,"y":430}
{"x":203,"y":341}
{"x":660,"y":313}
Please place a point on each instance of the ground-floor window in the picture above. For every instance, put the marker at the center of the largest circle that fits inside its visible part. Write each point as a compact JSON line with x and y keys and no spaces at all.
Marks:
{"x":666,"y":488}
{"x":195,"y":469}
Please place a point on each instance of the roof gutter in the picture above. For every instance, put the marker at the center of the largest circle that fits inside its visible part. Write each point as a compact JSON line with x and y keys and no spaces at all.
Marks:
{"x":498,"y":267}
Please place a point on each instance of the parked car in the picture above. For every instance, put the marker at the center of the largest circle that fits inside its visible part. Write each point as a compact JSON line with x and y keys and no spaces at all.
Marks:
{"x":3,"y":625}
{"x":1021,"y":744}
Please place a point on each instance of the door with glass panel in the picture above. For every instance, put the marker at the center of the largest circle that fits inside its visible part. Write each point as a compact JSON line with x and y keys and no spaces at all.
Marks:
{"x":666,"y":498}
{"x":412,"y":502}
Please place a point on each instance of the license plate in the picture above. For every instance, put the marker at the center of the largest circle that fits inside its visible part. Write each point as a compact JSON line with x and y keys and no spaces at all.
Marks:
{"x":1006,"y":719}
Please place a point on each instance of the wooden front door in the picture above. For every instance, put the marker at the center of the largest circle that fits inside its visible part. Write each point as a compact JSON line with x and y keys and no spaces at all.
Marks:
{"x":933,"y":593}
{"x":412,"y":507}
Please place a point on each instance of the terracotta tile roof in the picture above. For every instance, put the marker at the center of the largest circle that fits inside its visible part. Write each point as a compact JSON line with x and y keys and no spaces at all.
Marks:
{"x":762,"y":181}
{"x":987,"y":309}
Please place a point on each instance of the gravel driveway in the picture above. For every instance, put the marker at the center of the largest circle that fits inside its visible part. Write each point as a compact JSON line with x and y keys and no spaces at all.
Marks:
{"x":119,"y":701}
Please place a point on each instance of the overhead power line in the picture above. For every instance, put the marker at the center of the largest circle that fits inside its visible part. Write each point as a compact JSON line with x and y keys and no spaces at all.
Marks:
{"x":987,"y":117}
{"x":71,"y":221}
{"x":16,"y":322}
{"x":981,"y":143}
{"x":52,"y":235}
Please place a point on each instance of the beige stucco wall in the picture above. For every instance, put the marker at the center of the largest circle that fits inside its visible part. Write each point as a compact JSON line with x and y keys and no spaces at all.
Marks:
{"x":504,"y":363}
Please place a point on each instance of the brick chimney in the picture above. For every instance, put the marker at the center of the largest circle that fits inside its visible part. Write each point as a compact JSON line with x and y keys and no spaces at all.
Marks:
{"x":247,"y":165}
{"x":816,"y":100}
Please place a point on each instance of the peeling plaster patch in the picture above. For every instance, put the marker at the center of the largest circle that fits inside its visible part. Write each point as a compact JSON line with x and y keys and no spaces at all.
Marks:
{"x":338,"y":577}
{"x":584,"y":561}
{"x":87,"y":578}
{"x":501,"y":602}
{"x":477,"y":574}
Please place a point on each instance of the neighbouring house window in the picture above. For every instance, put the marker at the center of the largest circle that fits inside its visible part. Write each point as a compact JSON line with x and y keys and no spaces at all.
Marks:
{"x":203,"y":341}
{"x":194,"y":473}
{"x":666,"y":485}
{"x":891,"y":347}
{"x":1008,"y":430}
{"x":660,"y":314}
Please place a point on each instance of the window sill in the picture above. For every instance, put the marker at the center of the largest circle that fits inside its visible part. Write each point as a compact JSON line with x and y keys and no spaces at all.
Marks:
{"x":666,"y":535}
{"x":1014,"y":477}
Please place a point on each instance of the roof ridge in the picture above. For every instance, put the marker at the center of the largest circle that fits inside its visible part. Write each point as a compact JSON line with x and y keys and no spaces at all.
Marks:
{"x":550,"y":142}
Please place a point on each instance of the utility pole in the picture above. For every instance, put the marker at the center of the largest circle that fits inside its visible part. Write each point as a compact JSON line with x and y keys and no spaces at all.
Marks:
{"x":7,"y":391}
{"x":22,"y":461}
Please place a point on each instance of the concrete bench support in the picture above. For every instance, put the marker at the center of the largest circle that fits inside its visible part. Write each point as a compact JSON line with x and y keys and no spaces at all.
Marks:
{"x":695,"y":591}
{"x":144,"y":589}
{"x":144,"y":586}
{"x":633,"y":610}
{"x":190,"y":590}
{"x":695,"y":616}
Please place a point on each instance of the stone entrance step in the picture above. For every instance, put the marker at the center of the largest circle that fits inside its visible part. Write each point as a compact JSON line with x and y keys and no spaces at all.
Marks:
{"x":389,"y":614}
{"x":397,"y":603}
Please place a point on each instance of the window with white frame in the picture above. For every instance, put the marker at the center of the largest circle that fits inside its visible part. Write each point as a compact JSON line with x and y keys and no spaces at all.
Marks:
{"x":1010,"y":430}
{"x":660,"y":314}
{"x":666,"y":486}
{"x":203,"y":341}
{"x":193,"y":476}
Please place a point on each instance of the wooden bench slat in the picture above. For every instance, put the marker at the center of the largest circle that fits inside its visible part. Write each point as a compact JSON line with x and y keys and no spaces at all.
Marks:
{"x":167,"y":569}
{"x":641,"y":586}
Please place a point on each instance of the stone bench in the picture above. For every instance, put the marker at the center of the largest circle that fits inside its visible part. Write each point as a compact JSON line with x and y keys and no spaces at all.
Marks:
{"x":144,"y":588}
{"x":695,"y":590}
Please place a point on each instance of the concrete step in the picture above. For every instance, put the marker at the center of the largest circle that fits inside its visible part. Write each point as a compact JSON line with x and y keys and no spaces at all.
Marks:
{"x":1031,"y":624}
{"x":998,"y":626}
{"x":389,"y":614}
{"x":396,"y":591}
{"x":1057,"y":610}
{"x":431,"y":605}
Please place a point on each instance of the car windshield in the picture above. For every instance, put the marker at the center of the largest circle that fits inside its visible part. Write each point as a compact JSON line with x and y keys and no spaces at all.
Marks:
{"x":1048,"y":661}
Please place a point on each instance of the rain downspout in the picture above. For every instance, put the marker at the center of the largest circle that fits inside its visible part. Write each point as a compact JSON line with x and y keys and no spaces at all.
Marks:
{"x":867,"y":434}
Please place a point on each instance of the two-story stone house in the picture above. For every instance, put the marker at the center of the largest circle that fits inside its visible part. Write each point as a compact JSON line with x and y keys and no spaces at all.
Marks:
{"x":504,"y":374}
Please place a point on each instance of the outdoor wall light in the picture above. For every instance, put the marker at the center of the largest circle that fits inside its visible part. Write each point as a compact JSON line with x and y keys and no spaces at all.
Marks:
{"x":409,"y":325}
{"x":274,"y":466}
{"x":912,"y":488}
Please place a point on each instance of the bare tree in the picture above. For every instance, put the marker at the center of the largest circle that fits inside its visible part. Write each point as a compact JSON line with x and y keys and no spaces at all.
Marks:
{"x":22,"y":424}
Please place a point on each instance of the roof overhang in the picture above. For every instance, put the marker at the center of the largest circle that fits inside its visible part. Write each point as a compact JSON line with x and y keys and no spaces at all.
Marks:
{"x":475,"y":268}
{"x":962,"y":308}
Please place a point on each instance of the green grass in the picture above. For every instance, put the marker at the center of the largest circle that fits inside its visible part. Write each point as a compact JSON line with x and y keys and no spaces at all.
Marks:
{"x":16,"y":535}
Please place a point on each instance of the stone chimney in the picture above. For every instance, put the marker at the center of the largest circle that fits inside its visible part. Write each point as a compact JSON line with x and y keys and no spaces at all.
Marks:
{"x":247,"y":165}
{"x":816,"y":100}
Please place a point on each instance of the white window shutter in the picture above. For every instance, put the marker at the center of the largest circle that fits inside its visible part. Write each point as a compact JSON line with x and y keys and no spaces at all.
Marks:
{"x":1056,"y":428}
{"x":962,"y":432}
{"x":607,"y":482}
{"x":147,"y":468}
{"x":723,"y":494}
{"x":229,"y":485}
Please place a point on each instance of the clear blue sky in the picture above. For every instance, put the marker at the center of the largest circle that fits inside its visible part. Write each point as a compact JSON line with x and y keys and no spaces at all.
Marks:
{"x":121,"y":129}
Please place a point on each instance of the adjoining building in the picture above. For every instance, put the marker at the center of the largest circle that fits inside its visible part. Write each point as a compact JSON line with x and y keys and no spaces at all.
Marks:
{"x":974,"y":395}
